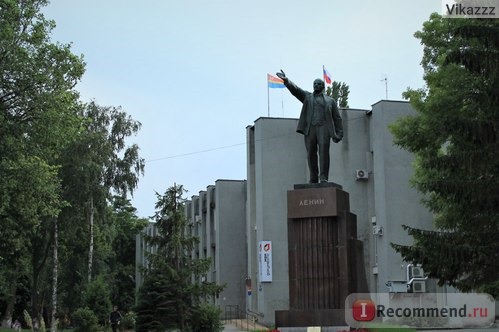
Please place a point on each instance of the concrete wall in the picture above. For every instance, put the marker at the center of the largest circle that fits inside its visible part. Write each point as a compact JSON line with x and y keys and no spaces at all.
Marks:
{"x":141,"y":248}
{"x":386,"y":195}
{"x":217,"y":216}
{"x":230,"y":241}
{"x":354,"y":153}
{"x":276,"y":161}
{"x":396,"y":203}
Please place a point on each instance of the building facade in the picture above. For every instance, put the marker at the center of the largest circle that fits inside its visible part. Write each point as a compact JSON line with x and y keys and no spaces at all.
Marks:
{"x":242,"y":225}
{"x":141,"y":250}
{"x":366,"y":164}
{"x":217,"y":216}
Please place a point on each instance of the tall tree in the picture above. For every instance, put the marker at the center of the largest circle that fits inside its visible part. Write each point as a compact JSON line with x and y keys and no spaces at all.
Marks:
{"x":98,"y":164}
{"x":126,"y":226}
{"x":25,"y":215}
{"x":169,"y":297}
{"x":60,"y":162}
{"x":455,"y":139}
{"x":111,"y":164}
{"x":37,"y":118}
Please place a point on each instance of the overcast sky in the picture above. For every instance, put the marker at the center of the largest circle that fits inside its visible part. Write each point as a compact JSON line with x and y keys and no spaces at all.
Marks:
{"x":193,"y":72}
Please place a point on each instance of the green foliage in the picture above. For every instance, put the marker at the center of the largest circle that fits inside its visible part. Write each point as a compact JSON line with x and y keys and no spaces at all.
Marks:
{"x":57,"y":156}
{"x":85,"y":320}
{"x":42,"y":325}
{"x":128,"y":321}
{"x":35,"y":73}
{"x":104,"y":154}
{"x":156,"y":303}
{"x":339,"y":91}
{"x":168,"y":296}
{"x":454,"y":137}
{"x":37,"y":120}
{"x":27,"y":319}
{"x":97,"y":297}
{"x":32,"y":193}
{"x":126,"y":225}
{"x":206,"y":318}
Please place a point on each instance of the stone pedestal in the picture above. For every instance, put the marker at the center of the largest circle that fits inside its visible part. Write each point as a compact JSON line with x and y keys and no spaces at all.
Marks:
{"x":325,"y":257}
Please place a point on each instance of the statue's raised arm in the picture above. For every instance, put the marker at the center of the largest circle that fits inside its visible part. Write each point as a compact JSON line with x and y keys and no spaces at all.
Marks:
{"x":281,"y":75}
{"x":296,"y":91}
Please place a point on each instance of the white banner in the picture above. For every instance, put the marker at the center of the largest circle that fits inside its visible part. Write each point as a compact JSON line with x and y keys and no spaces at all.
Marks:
{"x":265,"y":260}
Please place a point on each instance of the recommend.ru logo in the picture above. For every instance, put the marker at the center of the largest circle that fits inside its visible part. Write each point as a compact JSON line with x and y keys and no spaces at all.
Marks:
{"x":420,"y":310}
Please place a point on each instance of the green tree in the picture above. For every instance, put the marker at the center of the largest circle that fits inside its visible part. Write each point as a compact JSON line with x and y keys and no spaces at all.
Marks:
{"x":85,"y":320}
{"x":37,"y":119}
{"x":25,"y":216}
{"x":96,"y":165}
{"x":97,"y":296}
{"x":60,"y":163}
{"x":169,"y":295}
{"x":126,"y":226}
{"x":339,"y":91}
{"x":454,"y":137}
{"x":99,"y":163}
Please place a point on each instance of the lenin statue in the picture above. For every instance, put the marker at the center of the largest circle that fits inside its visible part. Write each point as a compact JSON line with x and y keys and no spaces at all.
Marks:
{"x":319,"y":122}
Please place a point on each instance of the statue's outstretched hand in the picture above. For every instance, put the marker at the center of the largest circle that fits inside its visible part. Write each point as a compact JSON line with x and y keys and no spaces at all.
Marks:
{"x":281,"y":75}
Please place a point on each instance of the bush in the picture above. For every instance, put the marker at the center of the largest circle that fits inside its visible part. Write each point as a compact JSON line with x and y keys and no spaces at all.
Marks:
{"x":85,"y":320}
{"x":27,"y":319}
{"x":206,"y":318}
{"x":97,"y":297}
{"x":128,"y":321}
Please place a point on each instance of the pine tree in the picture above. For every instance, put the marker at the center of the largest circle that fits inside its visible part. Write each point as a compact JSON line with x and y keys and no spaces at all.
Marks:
{"x":170,"y":294}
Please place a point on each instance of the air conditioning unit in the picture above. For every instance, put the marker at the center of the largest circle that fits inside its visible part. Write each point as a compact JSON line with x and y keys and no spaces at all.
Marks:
{"x":361,"y":174}
{"x":418,"y":286}
{"x":377,"y":230}
{"x":415,"y":272}
{"x":397,"y":286}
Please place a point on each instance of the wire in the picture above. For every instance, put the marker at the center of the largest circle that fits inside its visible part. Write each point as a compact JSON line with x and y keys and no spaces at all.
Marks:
{"x":228,"y":146}
{"x":196,"y":152}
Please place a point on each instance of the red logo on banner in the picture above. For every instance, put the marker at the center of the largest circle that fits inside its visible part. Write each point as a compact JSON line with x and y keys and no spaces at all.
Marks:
{"x":363,"y":310}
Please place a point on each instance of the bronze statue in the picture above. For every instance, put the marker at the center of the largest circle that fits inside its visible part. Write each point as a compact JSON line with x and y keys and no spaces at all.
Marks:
{"x":319,"y":122}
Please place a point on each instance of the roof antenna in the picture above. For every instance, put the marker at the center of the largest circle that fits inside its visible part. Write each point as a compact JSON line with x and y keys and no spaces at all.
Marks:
{"x":386,"y":86}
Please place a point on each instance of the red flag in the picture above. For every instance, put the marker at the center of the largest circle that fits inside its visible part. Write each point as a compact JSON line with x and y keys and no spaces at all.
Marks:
{"x":327,"y":75}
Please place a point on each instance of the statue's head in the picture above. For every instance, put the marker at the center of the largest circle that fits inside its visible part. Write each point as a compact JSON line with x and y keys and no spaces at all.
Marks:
{"x":318,"y":85}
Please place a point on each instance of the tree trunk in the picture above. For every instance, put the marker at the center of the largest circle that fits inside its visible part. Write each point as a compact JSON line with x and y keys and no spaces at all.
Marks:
{"x":34,"y":302}
{"x":7,"y":318}
{"x":91,"y":248}
{"x":41,"y":255}
{"x":55,"y":272}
